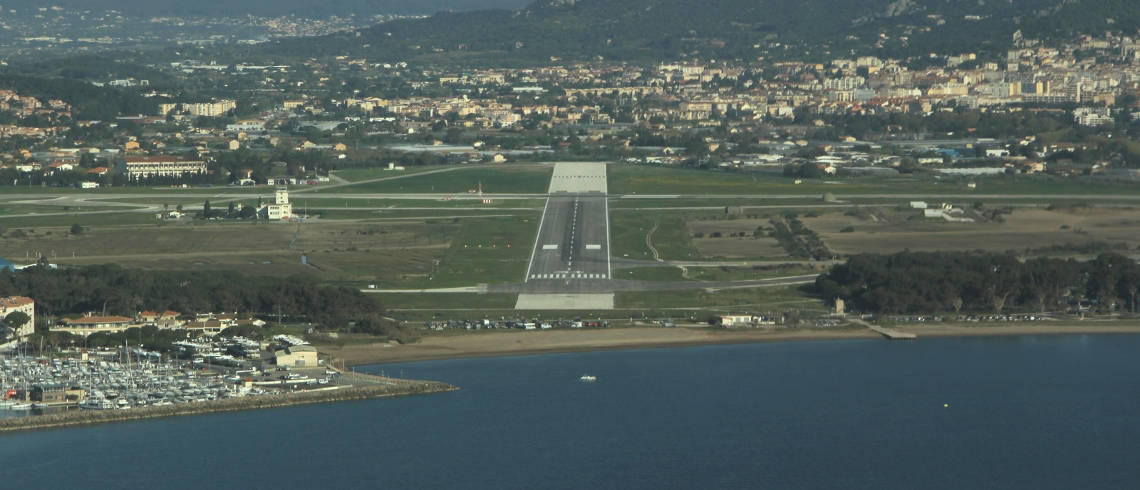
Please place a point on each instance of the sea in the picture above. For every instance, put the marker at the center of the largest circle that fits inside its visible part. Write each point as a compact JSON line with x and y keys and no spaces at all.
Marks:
{"x":1033,"y":412}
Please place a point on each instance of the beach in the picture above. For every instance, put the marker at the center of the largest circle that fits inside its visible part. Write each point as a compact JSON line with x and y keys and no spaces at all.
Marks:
{"x":515,"y":342}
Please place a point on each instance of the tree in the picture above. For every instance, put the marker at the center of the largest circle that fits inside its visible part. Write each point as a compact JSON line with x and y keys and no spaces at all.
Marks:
{"x":16,"y":319}
{"x":76,"y":229}
{"x":206,"y":210}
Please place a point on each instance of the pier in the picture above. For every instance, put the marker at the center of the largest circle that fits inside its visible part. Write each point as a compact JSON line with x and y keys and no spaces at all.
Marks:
{"x":890,"y":334}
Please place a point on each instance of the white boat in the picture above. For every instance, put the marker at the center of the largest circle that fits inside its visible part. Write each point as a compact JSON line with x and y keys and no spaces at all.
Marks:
{"x":22,"y":406}
{"x":40,"y":406}
{"x":588,"y":378}
{"x":97,"y":404}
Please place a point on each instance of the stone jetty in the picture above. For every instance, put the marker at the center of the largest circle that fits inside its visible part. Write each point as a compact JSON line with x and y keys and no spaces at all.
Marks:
{"x":376,"y":388}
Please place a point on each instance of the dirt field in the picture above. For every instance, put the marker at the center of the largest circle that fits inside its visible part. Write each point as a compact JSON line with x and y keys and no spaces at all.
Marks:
{"x":1024,"y":228}
{"x":729,"y":246}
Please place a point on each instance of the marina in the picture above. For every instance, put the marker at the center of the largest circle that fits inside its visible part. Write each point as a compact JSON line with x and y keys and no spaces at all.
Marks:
{"x":81,"y":386}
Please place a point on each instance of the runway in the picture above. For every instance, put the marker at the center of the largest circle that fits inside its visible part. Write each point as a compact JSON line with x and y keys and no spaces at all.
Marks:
{"x":572,"y":251}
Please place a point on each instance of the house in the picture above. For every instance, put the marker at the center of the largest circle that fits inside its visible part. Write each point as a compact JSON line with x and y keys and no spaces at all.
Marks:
{"x":91,"y":324}
{"x":22,"y":304}
{"x":99,"y":171}
{"x":166,"y":319}
{"x":729,"y":321}
{"x":297,"y":356}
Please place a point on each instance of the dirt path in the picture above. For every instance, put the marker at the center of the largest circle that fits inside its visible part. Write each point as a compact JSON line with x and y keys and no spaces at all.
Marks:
{"x":649,"y":242}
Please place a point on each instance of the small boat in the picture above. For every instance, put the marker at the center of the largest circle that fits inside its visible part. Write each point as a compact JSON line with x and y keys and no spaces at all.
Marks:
{"x":40,"y":406}
{"x":588,"y":378}
{"x":21,"y":406}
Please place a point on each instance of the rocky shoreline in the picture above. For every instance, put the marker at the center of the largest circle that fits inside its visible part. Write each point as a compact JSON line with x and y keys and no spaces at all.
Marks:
{"x":390,"y":388}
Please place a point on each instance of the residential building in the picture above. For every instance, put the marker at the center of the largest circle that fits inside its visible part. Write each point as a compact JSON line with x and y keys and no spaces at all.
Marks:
{"x":22,"y":304}
{"x":92,"y":324}
{"x":162,"y":166}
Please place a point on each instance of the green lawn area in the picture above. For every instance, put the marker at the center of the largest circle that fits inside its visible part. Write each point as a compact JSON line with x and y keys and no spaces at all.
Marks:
{"x":359,"y":174}
{"x":725,"y":273}
{"x":629,"y":228}
{"x":633,"y":179}
{"x":98,"y":219}
{"x":446,"y":301}
{"x":505,"y":179}
{"x":333,"y":203}
{"x":429,"y":214}
{"x":711,"y":202}
{"x":650,"y":274}
{"x":483,"y":250}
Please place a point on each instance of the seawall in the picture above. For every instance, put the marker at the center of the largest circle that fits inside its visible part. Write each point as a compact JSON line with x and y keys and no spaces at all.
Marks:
{"x":86,"y":417}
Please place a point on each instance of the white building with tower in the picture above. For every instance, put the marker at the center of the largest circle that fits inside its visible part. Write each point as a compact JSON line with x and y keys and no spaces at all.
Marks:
{"x":280,"y":208}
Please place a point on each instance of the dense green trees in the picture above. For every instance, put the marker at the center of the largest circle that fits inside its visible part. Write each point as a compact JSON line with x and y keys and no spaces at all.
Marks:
{"x":88,"y":101}
{"x":930,"y":282}
{"x":125,"y":292}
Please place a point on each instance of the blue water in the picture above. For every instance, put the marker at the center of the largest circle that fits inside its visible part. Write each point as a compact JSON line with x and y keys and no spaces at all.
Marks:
{"x":1025,"y":412}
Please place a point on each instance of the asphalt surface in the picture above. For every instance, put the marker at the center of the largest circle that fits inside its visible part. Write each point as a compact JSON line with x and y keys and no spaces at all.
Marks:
{"x":572,"y":252}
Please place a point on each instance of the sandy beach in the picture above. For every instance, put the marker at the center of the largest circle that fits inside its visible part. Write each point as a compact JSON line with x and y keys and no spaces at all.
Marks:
{"x":513,"y":342}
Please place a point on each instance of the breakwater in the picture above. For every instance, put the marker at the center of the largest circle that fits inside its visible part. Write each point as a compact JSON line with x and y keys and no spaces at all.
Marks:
{"x":390,"y":388}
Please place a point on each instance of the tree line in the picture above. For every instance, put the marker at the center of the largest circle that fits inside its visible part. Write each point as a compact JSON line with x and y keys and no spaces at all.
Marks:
{"x":113,"y":290}
{"x":963,"y":282}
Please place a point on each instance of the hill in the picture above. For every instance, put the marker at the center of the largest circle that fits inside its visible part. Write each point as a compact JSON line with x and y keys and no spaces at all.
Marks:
{"x":230,"y":8}
{"x":670,"y":29}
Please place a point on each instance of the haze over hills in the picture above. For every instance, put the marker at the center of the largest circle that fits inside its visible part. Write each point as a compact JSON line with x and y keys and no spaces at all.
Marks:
{"x":647,"y":29}
{"x":308,"y":8}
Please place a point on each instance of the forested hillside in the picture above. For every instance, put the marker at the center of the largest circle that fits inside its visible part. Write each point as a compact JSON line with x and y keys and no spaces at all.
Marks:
{"x":308,"y":8}
{"x":88,"y":101}
{"x":656,"y":29}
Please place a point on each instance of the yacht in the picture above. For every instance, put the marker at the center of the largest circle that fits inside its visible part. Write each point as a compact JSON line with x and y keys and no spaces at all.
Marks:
{"x":97,"y":404}
{"x":588,"y":378}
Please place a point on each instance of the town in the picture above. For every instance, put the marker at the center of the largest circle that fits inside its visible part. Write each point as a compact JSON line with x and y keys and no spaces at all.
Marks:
{"x":959,"y":115}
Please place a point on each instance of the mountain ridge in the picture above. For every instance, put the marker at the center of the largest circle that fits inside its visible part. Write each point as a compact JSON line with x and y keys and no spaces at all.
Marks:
{"x":670,"y":29}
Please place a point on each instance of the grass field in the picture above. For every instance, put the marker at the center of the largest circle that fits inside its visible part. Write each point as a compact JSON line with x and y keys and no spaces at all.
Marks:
{"x":751,"y":300}
{"x":448,"y":301}
{"x":92,"y":219}
{"x":506,"y":179}
{"x":359,"y":174}
{"x":691,"y":235}
{"x":670,"y":237}
{"x":715,"y":273}
{"x":491,"y":250}
{"x":333,"y":203}
{"x":633,"y":179}
{"x":1025,"y":228}
{"x":335,"y":251}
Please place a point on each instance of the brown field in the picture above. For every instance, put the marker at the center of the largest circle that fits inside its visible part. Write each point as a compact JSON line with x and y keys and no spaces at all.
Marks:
{"x":728,"y":246}
{"x":335,"y":251}
{"x":1024,"y":228}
